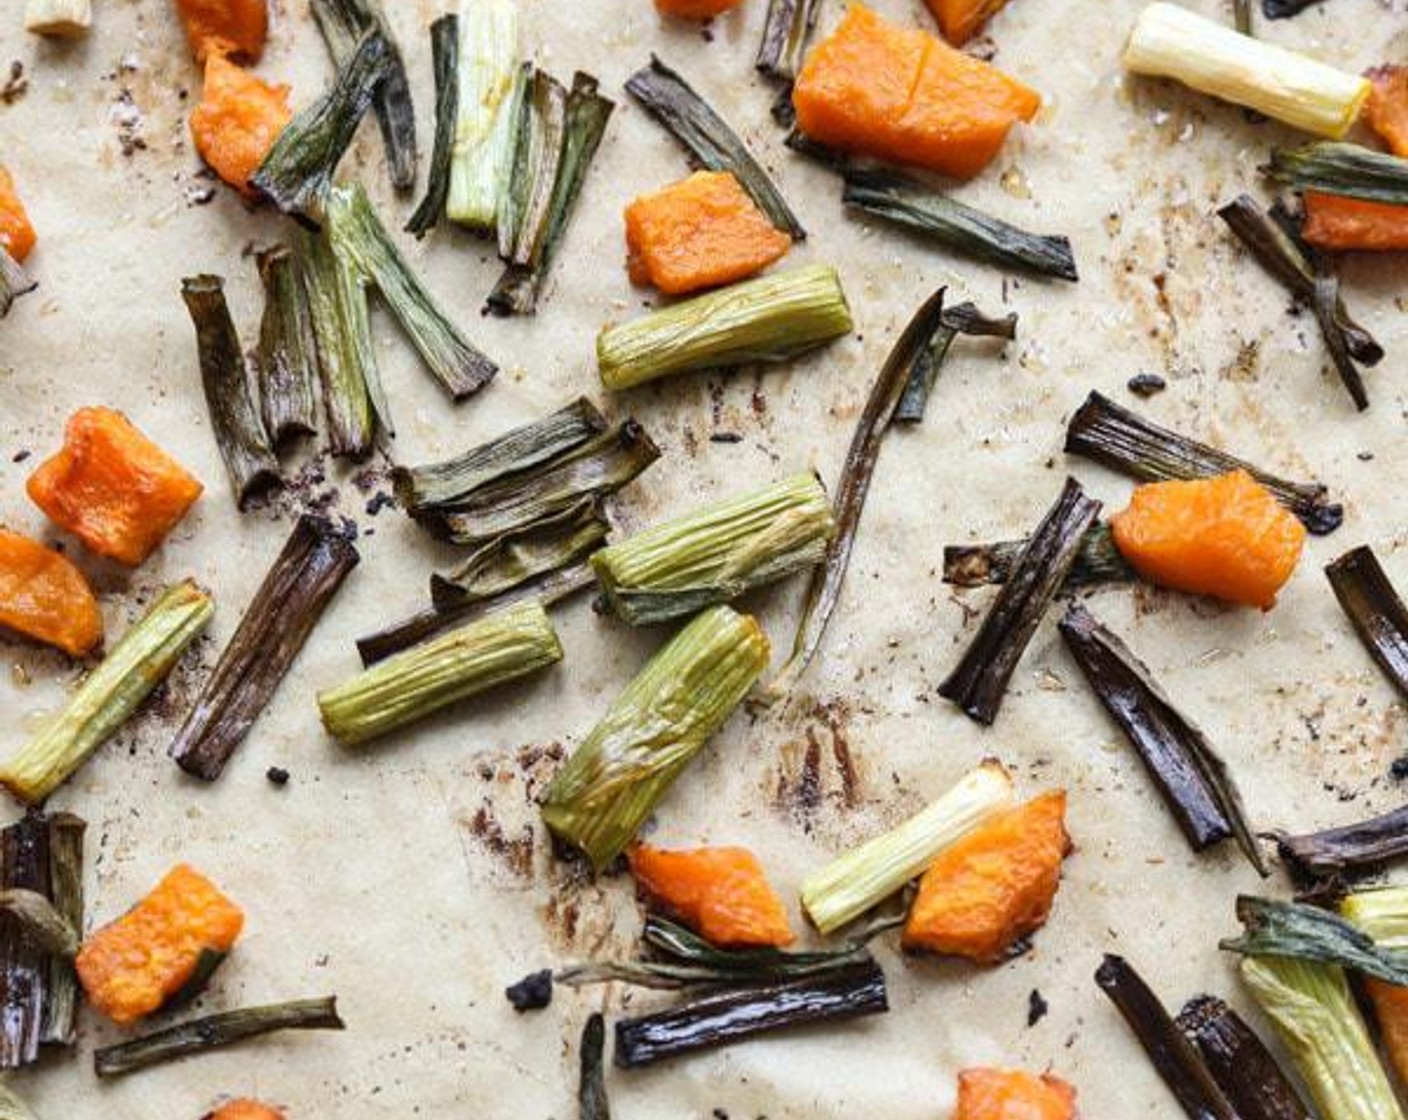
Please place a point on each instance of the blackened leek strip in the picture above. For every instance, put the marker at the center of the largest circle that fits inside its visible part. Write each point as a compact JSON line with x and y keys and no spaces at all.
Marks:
{"x":472,"y":659}
{"x":618,"y":773}
{"x":1325,"y":304}
{"x":1375,"y":610}
{"x":1170,"y":1053}
{"x":703,"y":133}
{"x":1113,"y":436}
{"x":717,"y":553}
{"x":358,"y":235}
{"x":785,"y":34}
{"x":1272,"y":928}
{"x":592,"y":1103}
{"x":1239,"y":1062}
{"x":1193,"y":779}
{"x":445,"y":51}
{"x":346,"y":366}
{"x":770,"y":318}
{"x":1098,"y":561}
{"x":297,"y":173}
{"x":211,"y":1032}
{"x":1344,"y":169}
{"x":314,"y":561}
{"x":14,"y":282}
{"x":824,"y":590}
{"x":1284,"y":9}
{"x":110,"y":694}
{"x":287,"y":350}
{"x":1350,"y":847}
{"x":979,"y":682}
{"x":965,"y":318}
{"x":239,"y":432}
{"x":909,"y":203}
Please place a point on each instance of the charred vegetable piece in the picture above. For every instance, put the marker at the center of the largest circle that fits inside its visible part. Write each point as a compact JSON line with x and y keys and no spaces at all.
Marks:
{"x":287,"y":351}
{"x":17,"y":235}
{"x":1342,"y":169}
{"x":1383,"y":914}
{"x":1325,"y":305}
{"x":979,"y":682}
{"x":1375,"y":610}
{"x":14,"y":282}
{"x":1349,"y":847}
{"x":245,"y":1109}
{"x":711,"y":143}
{"x":722,"y":893}
{"x":136,"y":964}
{"x":592,"y":1103}
{"x":211,"y":1032}
{"x":234,"y":29}
{"x":44,"y":597}
{"x":1284,"y":9}
{"x":1098,"y":561}
{"x":489,"y":87}
{"x":994,"y":886}
{"x":1239,"y":1062}
{"x":964,"y":318}
{"x":864,"y":877}
{"x":616,"y":776}
{"x":1193,"y":779}
{"x":1304,"y":932}
{"x":229,"y":392}
{"x":718,"y":553}
{"x":541,"y":128}
{"x":1009,"y":1094}
{"x":238,"y":120}
{"x":444,"y":50}
{"x":876,"y":89}
{"x":733,"y":1016}
{"x":111,"y":487}
{"x":788,"y":27}
{"x":296,"y":590}
{"x":532,"y":993}
{"x":1116,"y":438}
{"x":914,"y":205}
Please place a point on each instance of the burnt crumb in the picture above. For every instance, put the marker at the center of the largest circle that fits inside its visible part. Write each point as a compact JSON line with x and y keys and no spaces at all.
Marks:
{"x":1037,"y":1007}
{"x":20,"y":456}
{"x":1146,"y":384}
{"x":532,"y":993}
{"x":706,"y":33}
{"x":1365,"y":456}
{"x":378,"y":502}
{"x":516,"y":852}
{"x":128,"y":119}
{"x":720,"y":1114}
{"x":201,"y":195}
{"x":725,"y":437}
{"x":1399,"y":769}
{"x":16,"y":84}
{"x":1019,"y":948}
{"x":277,"y":776}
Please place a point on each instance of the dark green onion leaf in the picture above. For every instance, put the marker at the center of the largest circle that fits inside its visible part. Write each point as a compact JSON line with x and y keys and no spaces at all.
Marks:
{"x":287,"y":350}
{"x":211,"y":1032}
{"x":445,"y":55}
{"x":296,"y":590}
{"x":297,"y":173}
{"x":1326,"y":304}
{"x":789,"y":25}
{"x":1348,"y":848}
{"x":1284,"y":9}
{"x":1345,"y":169}
{"x":733,"y":1016}
{"x":1374,"y":608}
{"x":513,"y":198}
{"x":14,"y":282}
{"x":544,"y":121}
{"x":1308,"y":933}
{"x":909,"y":203}
{"x":711,"y":143}
{"x":979,"y":681}
{"x":591,"y":1085}
{"x":1170,"y":1053}
{"x":1098,"y":561}
{"x":239,"y":432}
{"x":1239,"y":1062}
{"x":962,"y":319}
{"x":1193,"y":779}
{"x":1113,"y":436}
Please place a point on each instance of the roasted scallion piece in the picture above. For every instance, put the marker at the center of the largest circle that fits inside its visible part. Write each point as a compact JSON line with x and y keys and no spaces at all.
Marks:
{"x":1348,"y":848}
{"x":767,"y":319}
{"x":14,"y":282}
{"x":718,"y":553}
{"x":785,"y":33}
{"x":1193,"y":779}
{"x":542,"y":124}
{"x":1240,"y":1062}
{"x":1344,"y":169}
{"x":287,"y":350}
{"x":964,"y":318}
{"x":109,"y":695}
{"x":710,"y":142}
{"x":485,"y":128}
{"x":198,"y":1036}
{"x":1116,"y":438}
{"x":239,"y":431}
{"x":444,"y":50}
{"x":302,"y":581}
{"x":1298,"y":930}
{"x":592,"y":1103}
{"x":41,"y":920}
{"x":1374,"y":608}
{"x":727,"y":1017}
{"x":1326,"y":304}
{"x":862,"y":878}
{"x":616,"y":776}
{"x":1098,"y":561}
{"x":979,"y":682}
{"x":909,"y":203}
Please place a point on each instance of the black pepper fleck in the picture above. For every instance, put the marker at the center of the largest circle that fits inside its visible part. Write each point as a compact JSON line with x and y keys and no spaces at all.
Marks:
{"x":277,"y":775}
{"x":1037,"y":1007}
{"x":1146,"y":384}
{"x":532,"y":993}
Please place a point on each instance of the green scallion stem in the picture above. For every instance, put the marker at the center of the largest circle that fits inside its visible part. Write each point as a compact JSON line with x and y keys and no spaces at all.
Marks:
{"x":488,"y":81}
{"x":788,"y":27}
{"x":444,"y":51}
{"x":287,"y":350}
{"x":1344,"y":169}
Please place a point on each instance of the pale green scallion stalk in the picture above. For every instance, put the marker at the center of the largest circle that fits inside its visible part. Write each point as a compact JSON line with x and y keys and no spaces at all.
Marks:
{"x":484,"y":131}
{"x":1382,"y":913}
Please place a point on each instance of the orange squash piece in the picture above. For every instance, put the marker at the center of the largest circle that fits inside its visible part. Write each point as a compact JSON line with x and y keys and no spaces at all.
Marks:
{"x":1391,"y":1010}
{"x":43,"y":596}
{"x":245,"y":1109}
{"x":236,"y":28}
{"x":994,"y":886}
{"x":16,"y":233}
{"x":1338,"y":222}
{"x":111,"y":487}
{"x":1010,"y":1094}
{"x":1386,"y":111}
{"x":1226,"y":537}
{"x":695,"y":9}
{"x":130,"y":968}
{"x":960,"y":20}
{"x":698,"y":233}
{"x":237,"y":121}
{"x":720,"y":893}
{"x":876,"y":89}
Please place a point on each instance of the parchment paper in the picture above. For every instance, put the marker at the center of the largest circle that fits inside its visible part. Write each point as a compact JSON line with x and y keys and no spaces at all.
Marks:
{"x":413,"y":878}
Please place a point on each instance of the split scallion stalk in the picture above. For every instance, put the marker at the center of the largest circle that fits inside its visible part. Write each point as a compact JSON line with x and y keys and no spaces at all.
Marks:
{"x":1348,"y":848}
{"x":537,"y":156}
{"x":485,"y":134}
{"x":1326,"y":305}
{"x":1239,"y":1062}
{"x":1172,"y":42}
{"x":1098,"y":561}
{"x":963,"y":318}
{"x":58,"y":19}
{"x":592,"y":1102}
{"x":604,"y":792}
{"x":287,"y":352}
{"x":1298,"y":930}
{"x":444,"y":51}
{"x":851,"y":884}
{"x":788,"y":26}
{"x":467,"y":661}
{"x":1344,"y":169}
{"x":14,"y":282}
{"x":718,"y":553}
{"x":110,"y":695}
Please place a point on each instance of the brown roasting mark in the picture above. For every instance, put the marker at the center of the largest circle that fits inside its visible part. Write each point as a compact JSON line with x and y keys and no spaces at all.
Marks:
{"x":805,"y":783}
{"x":515,"y":852}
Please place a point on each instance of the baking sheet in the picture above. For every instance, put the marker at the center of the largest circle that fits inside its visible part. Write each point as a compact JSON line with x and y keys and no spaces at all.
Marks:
{"x":412,"y":878}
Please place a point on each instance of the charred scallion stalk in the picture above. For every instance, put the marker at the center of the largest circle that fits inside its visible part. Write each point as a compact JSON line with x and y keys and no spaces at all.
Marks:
{"x":979,"y":682}
{"x":542,"y":124}
{"x":109,"y":695}
{"x":1192,"y":777}
{"x":1284,"y":9}
{"x":482,"y":655}
{"x":850,"y":885}
{"x":617,"y":775}
{"x":287,"y":351}
{"x":1098,"y":561}
{"x":1374,"y":608}
{"x":1308,"y":933}
{"x":710,"y":142}
{"x":14,"y":282}
{"x":789,"y":25}
{"x":1116,"y":438}
{"x":732,"y":1016}
{"x":1240,"y":1062}
{"x":297,"y":173}
{"x":909,"y":203}
{"x":485,"y":127}
{"x":718,"y":553}
{"x":229,"y":393}
{"x":592,"y":1103}
{"x":1326,"y":304}
{"x":41,"y":920}
{"x":302,"y":581}
{"x":11,"y":1106}
{"x":1350,"y":847}
{"x":444,"y":50}
{"x":964,"y":318}
{"x":198,"y":1036}
{"x":1345,"y":169}
{"x":1170,"y":1053}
